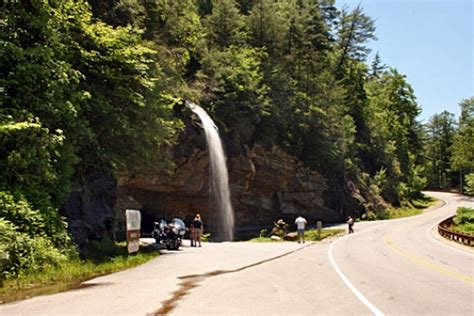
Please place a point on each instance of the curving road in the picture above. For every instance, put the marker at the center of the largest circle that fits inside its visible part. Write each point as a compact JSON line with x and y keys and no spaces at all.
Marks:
{"x":401,"y":266}
{"x":386,"y":267}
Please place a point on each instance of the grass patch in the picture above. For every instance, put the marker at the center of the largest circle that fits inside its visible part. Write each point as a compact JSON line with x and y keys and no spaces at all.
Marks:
{"x":310,"y":235}
{"x":71,"y":273}
{"x":264,"y":239}
{"x":402,"y":212}
{"x":424,"y":202}
{"x":412,"y":208}
{"x":464,"y":228}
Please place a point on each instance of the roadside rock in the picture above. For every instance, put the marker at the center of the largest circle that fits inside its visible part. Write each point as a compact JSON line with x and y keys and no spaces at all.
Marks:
{"x":293,"y":236}
{"x":90,"y":208}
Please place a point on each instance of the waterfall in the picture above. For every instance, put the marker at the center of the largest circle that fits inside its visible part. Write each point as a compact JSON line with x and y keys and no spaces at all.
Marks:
{"x":218,"y":175}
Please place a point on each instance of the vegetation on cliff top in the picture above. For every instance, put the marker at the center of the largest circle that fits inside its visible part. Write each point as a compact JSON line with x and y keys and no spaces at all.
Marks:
{"x":92,"y":86}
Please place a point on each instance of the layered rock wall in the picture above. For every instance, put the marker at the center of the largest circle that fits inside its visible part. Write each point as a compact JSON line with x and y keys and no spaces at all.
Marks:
{"x":265,"y":185}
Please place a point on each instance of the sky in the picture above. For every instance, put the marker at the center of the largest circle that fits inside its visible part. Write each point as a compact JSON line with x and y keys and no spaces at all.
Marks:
{"x":429,"y":41}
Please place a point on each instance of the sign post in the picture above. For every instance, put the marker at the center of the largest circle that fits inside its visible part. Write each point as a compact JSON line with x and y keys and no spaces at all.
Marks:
{"x":133,"y":218}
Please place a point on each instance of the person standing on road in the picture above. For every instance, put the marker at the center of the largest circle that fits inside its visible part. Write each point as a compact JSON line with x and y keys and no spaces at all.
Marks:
{"x":350,"y":222}
{"x":300,"y":225}
{"x":198,"y":230}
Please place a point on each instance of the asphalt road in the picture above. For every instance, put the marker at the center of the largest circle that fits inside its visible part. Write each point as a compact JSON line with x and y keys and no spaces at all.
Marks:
{"x":388,"y":267}
{"x":404,"y":267}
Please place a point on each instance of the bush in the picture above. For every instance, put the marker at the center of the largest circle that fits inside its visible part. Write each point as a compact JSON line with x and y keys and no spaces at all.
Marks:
{"x":372,"y":216}
{"x":465,"y":228}
{"x":18,"y":212}
{"x":46,"y":222}
{"x":464,"y":220}
{"x":470,"y":184}
{"x":369,"y":216}
{"x":464,"y":215}
{"x":28,"y":243}
{"x":205,"y":237}
{"x":22,"y":253}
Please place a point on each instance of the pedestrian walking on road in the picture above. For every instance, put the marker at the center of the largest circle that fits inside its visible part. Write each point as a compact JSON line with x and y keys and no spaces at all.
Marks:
{"x":350,"y":222}
{"x":300,"y":225}
{"x":198,"y":228}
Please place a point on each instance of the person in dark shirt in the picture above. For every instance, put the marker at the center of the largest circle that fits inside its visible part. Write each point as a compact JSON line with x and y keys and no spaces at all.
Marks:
{"x":198,"y":230}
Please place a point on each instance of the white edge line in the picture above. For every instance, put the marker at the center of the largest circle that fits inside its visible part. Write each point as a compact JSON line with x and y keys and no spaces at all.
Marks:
{"x":354,"y":290}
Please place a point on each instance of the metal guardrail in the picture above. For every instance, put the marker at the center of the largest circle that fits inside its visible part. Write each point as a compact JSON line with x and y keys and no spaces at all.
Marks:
{"x":445,"y":231}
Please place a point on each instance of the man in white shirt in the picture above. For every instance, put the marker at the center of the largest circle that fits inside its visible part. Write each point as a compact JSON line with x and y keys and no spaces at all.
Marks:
{"x":300,"y":225}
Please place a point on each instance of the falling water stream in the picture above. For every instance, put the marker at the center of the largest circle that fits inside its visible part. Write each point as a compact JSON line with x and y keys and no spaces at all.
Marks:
{"x":218,"y":175}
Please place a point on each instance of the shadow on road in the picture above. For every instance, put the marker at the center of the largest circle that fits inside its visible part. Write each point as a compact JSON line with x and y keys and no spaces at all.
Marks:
{"x":192,"y":281}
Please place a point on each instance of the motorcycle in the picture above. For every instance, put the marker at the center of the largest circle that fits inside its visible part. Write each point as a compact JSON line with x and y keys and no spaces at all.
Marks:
{"x":169,"y":234}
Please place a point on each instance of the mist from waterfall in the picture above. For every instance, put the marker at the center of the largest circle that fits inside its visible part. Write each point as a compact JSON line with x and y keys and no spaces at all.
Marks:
{"x":218,"y":174}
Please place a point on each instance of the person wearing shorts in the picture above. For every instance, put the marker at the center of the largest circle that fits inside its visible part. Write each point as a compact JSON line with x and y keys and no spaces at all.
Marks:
{"x":198,"y":229}
{"x":300,"y":225}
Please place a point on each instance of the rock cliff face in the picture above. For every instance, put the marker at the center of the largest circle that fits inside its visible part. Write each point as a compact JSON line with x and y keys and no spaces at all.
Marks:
{"x":90,"y":208}
{"x":265,"y":184}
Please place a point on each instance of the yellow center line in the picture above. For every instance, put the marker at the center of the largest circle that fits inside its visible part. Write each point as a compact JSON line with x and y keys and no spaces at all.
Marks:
{"x":430,"y":265}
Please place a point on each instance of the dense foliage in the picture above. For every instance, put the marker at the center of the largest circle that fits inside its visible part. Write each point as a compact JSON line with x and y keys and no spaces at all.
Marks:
{"x":75,"y":93}
{"x":449,"y":149}
{"x":91,"y":85}
{"x":464,"y":220}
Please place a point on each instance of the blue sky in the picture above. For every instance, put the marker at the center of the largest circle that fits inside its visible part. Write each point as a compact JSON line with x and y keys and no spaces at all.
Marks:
{"x":431,"y":42}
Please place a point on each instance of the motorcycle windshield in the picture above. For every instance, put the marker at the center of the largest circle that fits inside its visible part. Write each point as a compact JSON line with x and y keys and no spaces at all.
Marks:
{"x":162,"y":224}
{"x":178,"y":223}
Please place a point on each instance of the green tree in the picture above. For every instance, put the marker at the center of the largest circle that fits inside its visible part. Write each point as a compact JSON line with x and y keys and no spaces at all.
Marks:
{"x":463,"y":147}
{"x":440,"y":131}
{"x":119,"y":12}
{"x":268,"y":26}
{"x":377,"y":67}
{"x":39,"y":100}
{"x":38,"y":114}
{"x":73,"y":87}
{"x":226,"y":25}
{"x":395,"y":134}
{"x":237,"y":94}
{"x":354,"y":29}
